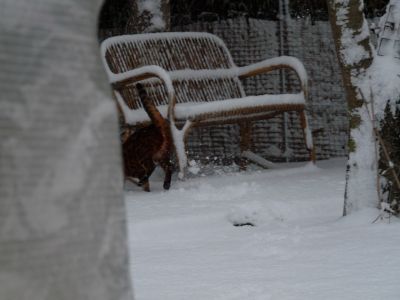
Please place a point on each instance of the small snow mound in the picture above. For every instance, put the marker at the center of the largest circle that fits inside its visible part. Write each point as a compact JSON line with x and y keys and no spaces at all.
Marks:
{"x":273,"y":151}
{"x":193,"y":167}
{"x":311,"y":166}
{"x":242,"y":216}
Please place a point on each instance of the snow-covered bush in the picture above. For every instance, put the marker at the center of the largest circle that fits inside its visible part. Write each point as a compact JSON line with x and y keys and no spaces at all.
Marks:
{"x":390,"y":132}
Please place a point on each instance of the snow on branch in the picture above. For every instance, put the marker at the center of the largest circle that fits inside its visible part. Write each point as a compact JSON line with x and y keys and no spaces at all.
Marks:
{"x":153,"y":8}
{"x":352,"y":52}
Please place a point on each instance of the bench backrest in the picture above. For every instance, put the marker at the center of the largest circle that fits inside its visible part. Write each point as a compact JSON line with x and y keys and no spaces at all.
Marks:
{"x":176,"y":53}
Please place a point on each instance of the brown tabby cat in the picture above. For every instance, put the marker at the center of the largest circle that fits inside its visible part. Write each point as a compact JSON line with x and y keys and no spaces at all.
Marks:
{"x":148,"y":146}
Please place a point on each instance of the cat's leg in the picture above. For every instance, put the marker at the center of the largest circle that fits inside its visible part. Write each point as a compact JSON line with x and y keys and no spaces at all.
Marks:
{"x":133,"y":180}
{"x":167,"y":167}
{"x":147,"y":168}
{"x":144,"y":183}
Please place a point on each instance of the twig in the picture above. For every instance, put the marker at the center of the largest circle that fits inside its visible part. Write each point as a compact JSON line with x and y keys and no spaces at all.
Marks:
{"x":385,"y":207}
{"x":382,"y":144}
{"x":372,"y":119}
{"x":378,"y":178}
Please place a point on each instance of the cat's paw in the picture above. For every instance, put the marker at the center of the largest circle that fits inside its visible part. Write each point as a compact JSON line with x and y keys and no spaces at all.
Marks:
{"x":167,"y":185}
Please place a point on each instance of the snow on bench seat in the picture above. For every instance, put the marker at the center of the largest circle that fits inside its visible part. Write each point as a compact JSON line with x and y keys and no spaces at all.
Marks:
{"x":184,"y":111}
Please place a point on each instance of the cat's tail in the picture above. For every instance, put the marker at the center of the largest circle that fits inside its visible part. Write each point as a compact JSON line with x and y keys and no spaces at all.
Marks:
{"x":158,"y":120}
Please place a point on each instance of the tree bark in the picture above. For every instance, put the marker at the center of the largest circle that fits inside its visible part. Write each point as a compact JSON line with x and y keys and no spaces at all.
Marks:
{"x":63,"y":232}
{"x":355,"y":55}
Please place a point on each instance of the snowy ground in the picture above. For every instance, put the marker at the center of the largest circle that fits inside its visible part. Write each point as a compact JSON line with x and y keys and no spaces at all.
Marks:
{"x":184,"y":246}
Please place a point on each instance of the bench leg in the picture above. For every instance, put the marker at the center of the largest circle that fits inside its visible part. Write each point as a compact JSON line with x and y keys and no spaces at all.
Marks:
{"x":307,"y":135}
{"x":245,"y":142}
{"x":179,"y":137}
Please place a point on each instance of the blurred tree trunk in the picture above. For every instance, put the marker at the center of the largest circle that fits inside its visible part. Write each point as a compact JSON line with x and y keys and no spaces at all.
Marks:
{"x":63,"y":231}
{"x":351,"y":35}
{"x":166,"y":10}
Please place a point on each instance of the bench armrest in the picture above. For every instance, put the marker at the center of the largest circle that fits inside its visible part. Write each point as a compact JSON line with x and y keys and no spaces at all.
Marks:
{"x":122,"y":79}
{"x":265,"y":66}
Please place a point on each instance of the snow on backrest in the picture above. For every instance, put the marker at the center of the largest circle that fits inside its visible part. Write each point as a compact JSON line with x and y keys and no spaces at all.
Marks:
{"x":175,"y":52}
{"x":171,"y":50}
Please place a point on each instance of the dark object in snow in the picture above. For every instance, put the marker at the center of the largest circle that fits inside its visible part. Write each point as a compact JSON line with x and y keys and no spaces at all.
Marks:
{"x":243,"y":224}
{"x":147,"y":147}
{"x":375,"y":8}
{"x":243,"y":216}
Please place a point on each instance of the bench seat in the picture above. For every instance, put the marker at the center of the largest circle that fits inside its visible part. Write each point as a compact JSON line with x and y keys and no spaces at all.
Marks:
{"x":220,"y":109}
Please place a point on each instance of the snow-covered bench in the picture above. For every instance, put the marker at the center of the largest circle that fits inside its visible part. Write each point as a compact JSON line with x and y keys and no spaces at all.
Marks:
{"x":193,"y":80}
